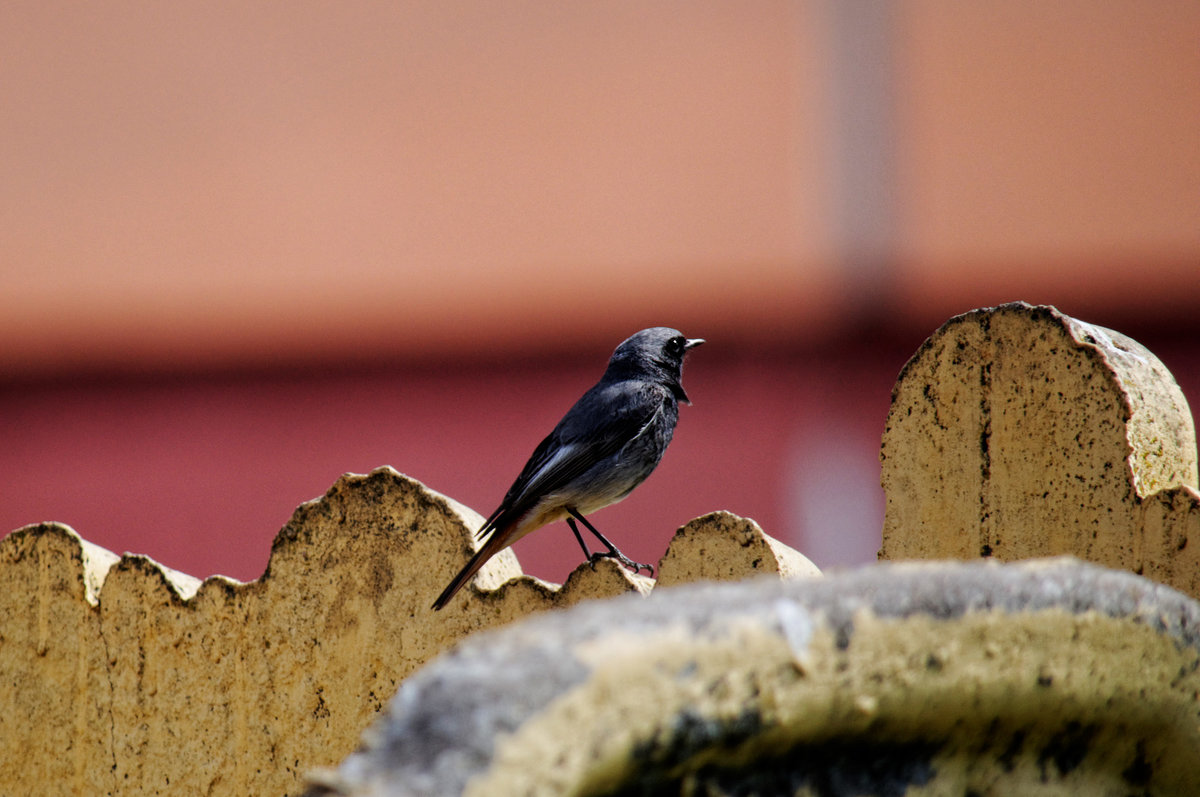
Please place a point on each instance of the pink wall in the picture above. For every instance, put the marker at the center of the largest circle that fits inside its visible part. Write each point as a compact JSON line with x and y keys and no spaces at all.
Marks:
{"x":200,"y":472}
{"x":245,"y":249}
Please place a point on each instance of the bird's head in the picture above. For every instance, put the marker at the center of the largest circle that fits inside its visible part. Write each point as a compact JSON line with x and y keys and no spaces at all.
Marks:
{"x":656,"y":352}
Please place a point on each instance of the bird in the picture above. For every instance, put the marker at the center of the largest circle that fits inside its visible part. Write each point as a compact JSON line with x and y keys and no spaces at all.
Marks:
{"x":607,"y":444}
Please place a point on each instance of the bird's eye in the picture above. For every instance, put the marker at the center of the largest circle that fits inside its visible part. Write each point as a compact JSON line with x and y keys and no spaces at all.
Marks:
{"x":675,"y":346}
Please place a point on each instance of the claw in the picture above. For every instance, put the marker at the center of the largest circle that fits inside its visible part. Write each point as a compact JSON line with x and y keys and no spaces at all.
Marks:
{"x":636,"y":567}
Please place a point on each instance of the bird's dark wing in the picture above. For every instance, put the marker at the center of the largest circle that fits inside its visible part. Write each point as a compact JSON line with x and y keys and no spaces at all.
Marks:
{"x":606,"y":418}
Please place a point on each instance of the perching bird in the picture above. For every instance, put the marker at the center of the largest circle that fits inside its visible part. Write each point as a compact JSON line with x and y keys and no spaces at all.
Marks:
{"x":605,"y":445}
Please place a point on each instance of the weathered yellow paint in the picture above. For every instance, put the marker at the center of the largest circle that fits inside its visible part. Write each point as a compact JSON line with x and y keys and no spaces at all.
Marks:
{"x":122,"y":676}
{"x":1018,"y":432}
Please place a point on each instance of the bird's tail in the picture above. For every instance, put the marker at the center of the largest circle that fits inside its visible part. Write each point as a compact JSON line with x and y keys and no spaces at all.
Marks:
{"x":496,"y":543}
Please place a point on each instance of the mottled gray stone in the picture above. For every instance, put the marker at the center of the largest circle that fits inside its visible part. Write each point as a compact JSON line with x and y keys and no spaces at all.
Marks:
{"x":442,"y":728}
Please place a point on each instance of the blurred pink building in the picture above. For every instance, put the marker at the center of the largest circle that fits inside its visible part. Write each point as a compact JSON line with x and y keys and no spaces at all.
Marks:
{"x":247,"y":249}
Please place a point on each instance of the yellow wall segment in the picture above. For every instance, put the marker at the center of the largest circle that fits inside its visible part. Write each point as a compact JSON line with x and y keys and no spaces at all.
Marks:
{"x":1019,"y":432}
{"x":122,"y":676}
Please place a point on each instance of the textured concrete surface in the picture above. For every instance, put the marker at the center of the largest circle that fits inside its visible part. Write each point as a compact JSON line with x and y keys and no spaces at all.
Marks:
{"x":721,"y":546}
{"x":1019,"y":432}
{"x":123,"y":677}
{"x":1043,"y":678}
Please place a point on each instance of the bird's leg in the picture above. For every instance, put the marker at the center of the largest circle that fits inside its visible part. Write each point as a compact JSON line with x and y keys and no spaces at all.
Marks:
{"x":586,"y":553}
{"x":612,"y":553}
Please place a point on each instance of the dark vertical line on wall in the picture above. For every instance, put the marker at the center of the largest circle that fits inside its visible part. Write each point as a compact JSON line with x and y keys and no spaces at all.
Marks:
{"x":985,"y":460}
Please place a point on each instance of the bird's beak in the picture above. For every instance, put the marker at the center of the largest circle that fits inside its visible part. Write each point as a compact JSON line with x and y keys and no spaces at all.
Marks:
{"x":692,"y":343}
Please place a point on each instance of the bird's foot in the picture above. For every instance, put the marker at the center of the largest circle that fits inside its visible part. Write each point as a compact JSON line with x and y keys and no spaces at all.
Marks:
{"x":636,"y":567}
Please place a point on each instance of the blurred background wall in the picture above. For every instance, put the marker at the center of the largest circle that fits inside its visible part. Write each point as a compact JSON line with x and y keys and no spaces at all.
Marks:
{"x":247,"y":247}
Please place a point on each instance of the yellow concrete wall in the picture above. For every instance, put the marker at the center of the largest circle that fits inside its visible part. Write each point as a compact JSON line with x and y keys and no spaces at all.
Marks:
{"x":1019,"y":432}
{"x":121,"y":676}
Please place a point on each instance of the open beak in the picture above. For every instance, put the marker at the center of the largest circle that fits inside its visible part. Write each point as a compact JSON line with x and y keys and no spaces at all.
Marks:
{"x":692,"y":343}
